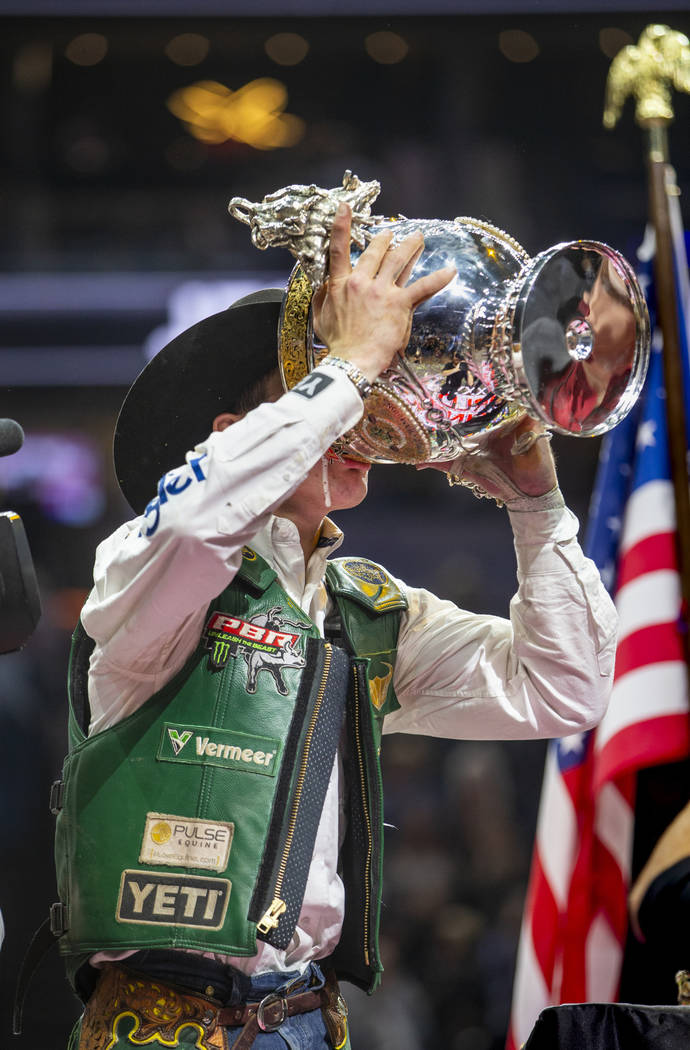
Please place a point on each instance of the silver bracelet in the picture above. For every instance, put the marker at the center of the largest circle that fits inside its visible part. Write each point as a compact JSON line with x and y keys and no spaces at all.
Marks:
{"x":354,"y":374}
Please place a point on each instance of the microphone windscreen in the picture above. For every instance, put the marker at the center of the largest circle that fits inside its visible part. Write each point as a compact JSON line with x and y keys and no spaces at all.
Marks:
{"x":11,"y":437}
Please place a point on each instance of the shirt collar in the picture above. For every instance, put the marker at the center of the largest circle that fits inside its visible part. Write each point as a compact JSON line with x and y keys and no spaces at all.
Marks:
{"x":271,"y":541}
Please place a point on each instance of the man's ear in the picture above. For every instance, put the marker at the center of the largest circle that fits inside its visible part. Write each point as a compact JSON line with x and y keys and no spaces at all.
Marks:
{"x":225,"y":419}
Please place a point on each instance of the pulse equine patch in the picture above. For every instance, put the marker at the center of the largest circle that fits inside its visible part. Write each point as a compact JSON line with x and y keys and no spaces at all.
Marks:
{"x":184,"y":842}
{"x":198,"y":745}
{"x":161,"y":899}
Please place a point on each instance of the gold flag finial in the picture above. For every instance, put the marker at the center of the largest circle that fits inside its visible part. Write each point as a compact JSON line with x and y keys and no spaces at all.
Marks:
{"x":648,"y":70}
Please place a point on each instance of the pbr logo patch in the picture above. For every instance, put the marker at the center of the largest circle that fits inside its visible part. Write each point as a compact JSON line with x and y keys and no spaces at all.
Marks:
{"x":364,"y":571}
{"x":183,"y":842}
{"x":156,"y":898}
{"x":261,"y":641}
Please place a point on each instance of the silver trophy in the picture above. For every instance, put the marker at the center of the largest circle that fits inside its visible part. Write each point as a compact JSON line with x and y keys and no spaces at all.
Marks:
{"x":563,"y":336}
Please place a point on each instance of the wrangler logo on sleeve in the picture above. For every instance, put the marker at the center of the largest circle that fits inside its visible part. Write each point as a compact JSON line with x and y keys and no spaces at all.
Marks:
{"x":312,"y":385}
{"x":157,"y":898}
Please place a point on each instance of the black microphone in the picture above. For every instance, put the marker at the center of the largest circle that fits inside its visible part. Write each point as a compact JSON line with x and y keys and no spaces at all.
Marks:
{"x":11,"y":437}
{"x":20,"y":602}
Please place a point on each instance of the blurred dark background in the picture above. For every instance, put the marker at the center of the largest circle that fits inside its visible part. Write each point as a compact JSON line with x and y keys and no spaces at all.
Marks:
{"x":114,"y":226}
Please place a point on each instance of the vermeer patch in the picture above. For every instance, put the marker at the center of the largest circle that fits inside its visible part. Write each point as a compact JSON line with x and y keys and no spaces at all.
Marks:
{"x":363,"y":570}
{"x":162,"y":899}
{"x":186,"y":843}
{"x":196,"y":745}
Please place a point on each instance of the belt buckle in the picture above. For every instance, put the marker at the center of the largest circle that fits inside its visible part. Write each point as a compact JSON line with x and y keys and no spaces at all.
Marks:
{"x":269,"y":1000}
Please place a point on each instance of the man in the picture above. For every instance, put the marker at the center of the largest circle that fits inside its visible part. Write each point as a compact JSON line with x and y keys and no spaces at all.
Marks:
{"x":219,"y":846}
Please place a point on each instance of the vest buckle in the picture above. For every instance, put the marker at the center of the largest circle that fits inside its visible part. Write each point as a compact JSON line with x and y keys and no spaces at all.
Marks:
{"x":57,"y":794}
{"x":58,"y":919}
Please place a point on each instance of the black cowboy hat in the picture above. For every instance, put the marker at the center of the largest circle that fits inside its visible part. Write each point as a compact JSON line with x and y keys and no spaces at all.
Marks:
{"x":204,"y":371}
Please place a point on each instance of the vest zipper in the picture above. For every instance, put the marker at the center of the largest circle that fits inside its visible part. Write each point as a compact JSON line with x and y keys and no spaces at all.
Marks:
{"x":271,"y":917}
{"x":367,"y":820}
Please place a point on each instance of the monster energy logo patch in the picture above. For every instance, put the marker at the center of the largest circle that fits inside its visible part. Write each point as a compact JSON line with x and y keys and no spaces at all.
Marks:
{"x":218,"y":747}
{"x":363,"y":570}
{"x":161,"y":899}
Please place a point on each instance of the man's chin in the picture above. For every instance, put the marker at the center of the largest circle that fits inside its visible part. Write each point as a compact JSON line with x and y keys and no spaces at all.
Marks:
{"x":350,"y":492}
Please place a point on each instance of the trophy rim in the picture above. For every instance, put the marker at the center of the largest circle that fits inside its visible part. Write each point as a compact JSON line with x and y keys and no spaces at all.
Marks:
{"x":642,"y":351}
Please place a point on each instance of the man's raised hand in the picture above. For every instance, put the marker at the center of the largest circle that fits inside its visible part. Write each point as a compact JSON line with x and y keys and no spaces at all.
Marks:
{"x":363,"y":313}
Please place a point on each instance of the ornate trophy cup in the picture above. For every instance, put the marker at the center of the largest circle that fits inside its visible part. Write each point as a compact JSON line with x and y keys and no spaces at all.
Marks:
{"x":563,"y":336}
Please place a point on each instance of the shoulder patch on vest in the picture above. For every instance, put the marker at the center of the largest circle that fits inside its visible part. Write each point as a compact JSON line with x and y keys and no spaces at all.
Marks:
{"x":365,"y":582}
{"x":365,"y":571}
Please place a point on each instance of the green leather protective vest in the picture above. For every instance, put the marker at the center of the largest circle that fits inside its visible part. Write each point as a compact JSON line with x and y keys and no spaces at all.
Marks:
{"x":190,"y":824}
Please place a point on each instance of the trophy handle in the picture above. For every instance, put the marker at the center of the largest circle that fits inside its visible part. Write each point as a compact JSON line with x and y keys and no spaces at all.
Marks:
{"x":295,"y":331}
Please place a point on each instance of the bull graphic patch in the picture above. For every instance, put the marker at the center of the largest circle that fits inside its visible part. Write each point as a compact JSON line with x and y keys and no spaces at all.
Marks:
{"x":261,"y":641}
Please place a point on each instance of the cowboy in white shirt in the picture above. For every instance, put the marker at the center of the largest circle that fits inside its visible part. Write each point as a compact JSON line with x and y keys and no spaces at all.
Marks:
{"x":238,"y":509}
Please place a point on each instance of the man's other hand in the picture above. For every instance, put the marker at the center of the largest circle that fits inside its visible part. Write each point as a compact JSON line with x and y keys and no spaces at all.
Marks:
{"x":512,"y":463}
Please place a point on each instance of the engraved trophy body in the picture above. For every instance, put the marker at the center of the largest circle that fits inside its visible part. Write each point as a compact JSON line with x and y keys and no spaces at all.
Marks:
{"x":563,"y":336}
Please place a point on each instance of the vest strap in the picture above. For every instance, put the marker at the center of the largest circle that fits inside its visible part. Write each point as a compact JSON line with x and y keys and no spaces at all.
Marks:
{"x":41,"y":943}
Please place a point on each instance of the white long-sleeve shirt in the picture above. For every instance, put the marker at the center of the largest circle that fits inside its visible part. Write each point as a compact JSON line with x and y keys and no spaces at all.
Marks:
{"x":546,"y":671}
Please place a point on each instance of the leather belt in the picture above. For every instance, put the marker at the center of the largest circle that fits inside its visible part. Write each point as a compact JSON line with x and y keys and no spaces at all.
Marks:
{"x":268,"y":1015}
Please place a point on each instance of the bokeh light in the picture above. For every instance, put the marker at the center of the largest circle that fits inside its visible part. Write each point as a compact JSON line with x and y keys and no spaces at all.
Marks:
{"x":87,"y":49}
{"x":386,"y":47}
{"x":187,"y":49}
{"x":254,"y":114}
{"x":286,"y":49}
{"x":88,"y":154}
{"x":612,"y":39}
{"x":517,"y":46}
{"x":33,"y":67}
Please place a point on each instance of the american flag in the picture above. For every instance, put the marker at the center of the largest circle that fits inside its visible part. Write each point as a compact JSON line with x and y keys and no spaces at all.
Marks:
{"x":575,"y":919}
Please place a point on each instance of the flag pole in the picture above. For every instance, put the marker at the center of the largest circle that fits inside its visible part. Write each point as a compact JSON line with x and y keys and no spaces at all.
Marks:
{"x":648,"y":70}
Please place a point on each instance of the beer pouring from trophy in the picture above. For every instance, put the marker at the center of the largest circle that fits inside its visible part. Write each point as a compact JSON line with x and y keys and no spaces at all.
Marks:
{"x":563,"y":336}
